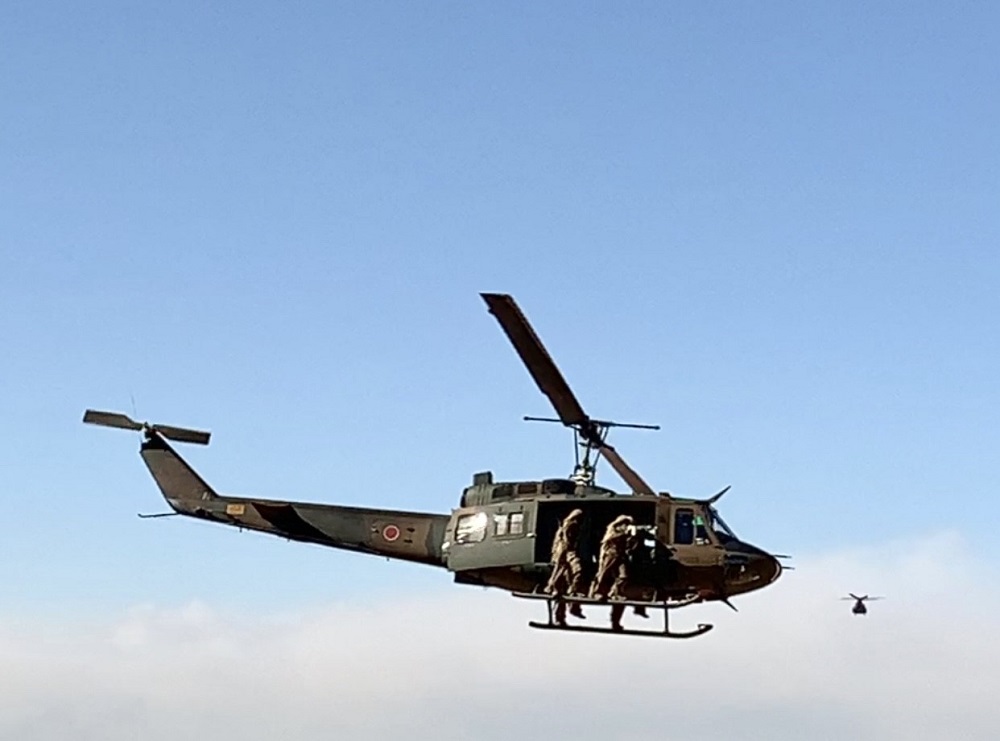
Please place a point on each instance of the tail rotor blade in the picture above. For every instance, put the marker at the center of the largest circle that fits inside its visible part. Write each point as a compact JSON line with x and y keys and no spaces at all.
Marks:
{"x":124,"y":422}
{"x":110,"y":419}
{"x":183,"y":435}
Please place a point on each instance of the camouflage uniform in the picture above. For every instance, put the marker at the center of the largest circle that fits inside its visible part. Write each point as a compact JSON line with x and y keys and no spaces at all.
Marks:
{"x":616,"y":545}
{"x":618,"y":541}
{"x":567,"y":570}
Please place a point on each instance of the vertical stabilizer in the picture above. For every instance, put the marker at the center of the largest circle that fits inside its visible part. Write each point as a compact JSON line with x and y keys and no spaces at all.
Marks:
{"x":178,"y":482}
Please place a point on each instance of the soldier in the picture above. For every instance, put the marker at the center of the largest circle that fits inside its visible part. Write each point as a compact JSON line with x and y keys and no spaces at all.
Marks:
{"x":616,"y":544}
{"x":566,"y":567}
{"x":618,"y":541}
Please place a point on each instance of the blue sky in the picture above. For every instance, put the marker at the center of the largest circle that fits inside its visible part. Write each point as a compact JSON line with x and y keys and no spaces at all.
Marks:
{"x":770,"y":228}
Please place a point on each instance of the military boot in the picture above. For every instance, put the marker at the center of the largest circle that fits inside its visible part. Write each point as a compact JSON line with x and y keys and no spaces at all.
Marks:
{"x":616,"y":617}
{"x":560,"y":613}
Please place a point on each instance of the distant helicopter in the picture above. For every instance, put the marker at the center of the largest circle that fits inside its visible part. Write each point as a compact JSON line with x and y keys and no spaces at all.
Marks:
{"x":502,"y":533}
{"x":859,"y":603}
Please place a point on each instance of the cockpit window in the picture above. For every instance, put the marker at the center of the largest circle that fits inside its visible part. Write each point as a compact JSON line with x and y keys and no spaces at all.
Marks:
{"x":700,"y":531}
{"x":691,"y":528}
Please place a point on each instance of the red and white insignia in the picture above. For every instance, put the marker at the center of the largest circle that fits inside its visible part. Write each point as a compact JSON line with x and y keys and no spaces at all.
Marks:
{"x":390,"y":533}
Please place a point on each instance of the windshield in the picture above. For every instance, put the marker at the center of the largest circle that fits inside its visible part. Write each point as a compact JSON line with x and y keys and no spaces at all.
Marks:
{"x":689,"y":528}
{"x":719,"y":525}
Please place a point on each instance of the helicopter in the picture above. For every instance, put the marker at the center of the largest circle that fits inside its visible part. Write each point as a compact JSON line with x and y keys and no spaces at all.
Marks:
{"x":859,"y":603}
{"x":502,"y":532}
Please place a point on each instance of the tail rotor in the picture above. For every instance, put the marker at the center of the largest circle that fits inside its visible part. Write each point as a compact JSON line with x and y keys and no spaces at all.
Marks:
{"x":124,"y":422}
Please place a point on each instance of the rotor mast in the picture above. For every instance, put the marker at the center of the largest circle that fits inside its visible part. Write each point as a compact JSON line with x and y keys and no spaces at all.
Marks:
{"x":591,"y":445}
{"x":592,"y":432}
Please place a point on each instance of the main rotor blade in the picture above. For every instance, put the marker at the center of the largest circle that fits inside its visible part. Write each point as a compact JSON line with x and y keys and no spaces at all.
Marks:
{"x":624,"y":470}
{"x":537,"y":359}
{"x":110,"y":419}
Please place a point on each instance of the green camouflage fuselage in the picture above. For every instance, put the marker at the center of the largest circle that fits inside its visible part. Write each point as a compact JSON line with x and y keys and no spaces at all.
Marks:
{"x":500,"y":536}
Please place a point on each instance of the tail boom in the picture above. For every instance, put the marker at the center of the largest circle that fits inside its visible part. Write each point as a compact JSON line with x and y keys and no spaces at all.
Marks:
{"x":409,"y":536}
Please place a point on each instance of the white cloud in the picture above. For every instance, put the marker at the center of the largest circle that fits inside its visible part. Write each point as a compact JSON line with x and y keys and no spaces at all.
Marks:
{"x":793,"y":664}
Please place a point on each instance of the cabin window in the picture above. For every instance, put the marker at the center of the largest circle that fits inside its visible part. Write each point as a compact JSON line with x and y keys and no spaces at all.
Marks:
{"x":471,"y":528}
{"x":512,"y":524}
{"x":684,"y":527}
{"x":517,"y":523}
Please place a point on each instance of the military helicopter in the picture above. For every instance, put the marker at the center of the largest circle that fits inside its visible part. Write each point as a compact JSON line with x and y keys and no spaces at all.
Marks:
{"x":502,"y":532}
{"x":859,"y":603}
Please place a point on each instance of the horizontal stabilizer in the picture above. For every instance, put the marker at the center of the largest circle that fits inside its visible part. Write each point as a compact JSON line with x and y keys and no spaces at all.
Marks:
{"x":122,"y":421}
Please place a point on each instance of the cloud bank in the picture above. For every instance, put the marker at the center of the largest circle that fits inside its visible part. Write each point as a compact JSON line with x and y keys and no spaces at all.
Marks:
{"x":461,"y":664}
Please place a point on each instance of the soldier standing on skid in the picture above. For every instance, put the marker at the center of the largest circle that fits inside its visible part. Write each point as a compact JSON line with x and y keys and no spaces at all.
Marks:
{"x":567,"y":570}
{"x":618,"y":541}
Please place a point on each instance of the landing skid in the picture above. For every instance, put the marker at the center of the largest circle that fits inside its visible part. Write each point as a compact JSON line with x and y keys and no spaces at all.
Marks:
{"x":665,"y":633}
{"x":553,"y":601}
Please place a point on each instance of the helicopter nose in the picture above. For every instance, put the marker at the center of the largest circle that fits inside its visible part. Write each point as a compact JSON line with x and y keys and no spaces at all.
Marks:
{"x":749,"y":567}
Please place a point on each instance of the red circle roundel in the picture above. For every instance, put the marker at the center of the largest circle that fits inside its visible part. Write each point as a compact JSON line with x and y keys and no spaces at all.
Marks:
{"x":390,"y":533}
